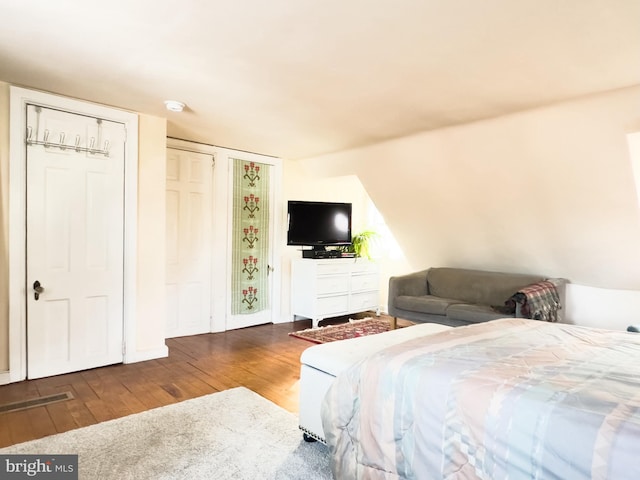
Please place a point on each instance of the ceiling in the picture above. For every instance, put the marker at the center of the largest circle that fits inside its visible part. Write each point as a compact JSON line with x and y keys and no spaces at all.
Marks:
{"x":299,"y":78}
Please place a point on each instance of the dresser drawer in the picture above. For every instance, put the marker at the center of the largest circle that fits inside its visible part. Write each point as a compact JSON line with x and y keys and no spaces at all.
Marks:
{"x":363,"y":301}
{"x":334,"y":267}
{"x":332,"y":284}
{"x":336,"y":305}
{"x":360,"y":283}
{"x":363,"y":266}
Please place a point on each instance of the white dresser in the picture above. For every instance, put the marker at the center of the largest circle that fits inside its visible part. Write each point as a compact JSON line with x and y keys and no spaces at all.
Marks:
{"x":333,"y":287}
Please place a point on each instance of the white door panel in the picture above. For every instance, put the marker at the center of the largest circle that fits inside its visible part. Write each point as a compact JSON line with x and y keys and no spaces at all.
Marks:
{"x":75,"y":235}
{"x":265,"y":315}
{"x":189,"y":242}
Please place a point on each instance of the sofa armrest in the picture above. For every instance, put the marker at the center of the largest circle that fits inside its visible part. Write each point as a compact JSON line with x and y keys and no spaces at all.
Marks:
{"x":414,"y":284}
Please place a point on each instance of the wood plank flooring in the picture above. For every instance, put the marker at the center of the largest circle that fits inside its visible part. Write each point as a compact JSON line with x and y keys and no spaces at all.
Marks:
{"x":264,"y":359}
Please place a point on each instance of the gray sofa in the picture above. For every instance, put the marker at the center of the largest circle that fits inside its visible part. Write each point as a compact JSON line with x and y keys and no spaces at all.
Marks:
{"x":456,"y":296}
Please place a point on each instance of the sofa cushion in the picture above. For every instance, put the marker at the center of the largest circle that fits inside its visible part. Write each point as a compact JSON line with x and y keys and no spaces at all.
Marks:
{"x":473,"y":313}
{"x":425,"y":304}
{"x":477,"y":286}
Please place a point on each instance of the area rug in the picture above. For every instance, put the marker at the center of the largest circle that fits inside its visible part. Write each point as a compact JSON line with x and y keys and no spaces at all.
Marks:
{"x":234,"y":434}
{"x":342,"y":331}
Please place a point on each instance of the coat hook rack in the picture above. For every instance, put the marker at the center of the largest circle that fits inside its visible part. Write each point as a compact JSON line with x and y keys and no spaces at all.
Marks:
{"x":62,"y":146}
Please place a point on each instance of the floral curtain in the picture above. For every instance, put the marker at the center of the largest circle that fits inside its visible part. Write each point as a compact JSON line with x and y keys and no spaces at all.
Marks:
{"x":250,"y":240}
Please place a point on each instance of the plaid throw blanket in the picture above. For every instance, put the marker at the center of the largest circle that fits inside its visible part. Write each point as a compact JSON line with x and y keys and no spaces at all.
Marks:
{"x":538,"y":301}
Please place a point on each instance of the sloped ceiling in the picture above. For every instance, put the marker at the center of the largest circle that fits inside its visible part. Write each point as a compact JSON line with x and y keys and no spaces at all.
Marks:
{"x":300,"y":78}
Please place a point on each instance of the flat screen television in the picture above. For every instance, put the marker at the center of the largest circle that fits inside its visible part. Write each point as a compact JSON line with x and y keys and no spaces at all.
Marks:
{"x":318,"y":224}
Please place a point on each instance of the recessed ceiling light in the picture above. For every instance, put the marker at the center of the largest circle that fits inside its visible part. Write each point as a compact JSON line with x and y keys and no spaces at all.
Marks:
{"x":174,"y":105}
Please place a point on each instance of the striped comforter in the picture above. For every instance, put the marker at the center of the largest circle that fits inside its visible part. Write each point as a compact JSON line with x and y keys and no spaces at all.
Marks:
{"x":510,"y":398}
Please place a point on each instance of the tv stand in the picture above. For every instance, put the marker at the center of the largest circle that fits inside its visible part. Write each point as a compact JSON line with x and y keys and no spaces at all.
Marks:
{"x":320,"y":252}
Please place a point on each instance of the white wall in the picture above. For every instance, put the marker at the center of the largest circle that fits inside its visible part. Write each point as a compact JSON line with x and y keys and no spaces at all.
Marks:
{"x":151,"y":288}
{"x":547,"y":191}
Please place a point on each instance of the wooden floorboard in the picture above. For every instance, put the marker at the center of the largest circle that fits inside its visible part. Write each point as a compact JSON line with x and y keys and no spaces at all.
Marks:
{"x":264,"y":359}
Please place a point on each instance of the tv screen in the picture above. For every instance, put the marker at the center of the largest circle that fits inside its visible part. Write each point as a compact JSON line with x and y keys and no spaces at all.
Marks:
{"x":318,"y":224}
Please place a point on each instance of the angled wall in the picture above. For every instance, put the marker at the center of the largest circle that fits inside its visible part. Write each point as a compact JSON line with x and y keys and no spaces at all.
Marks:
{"x":546,"y":191}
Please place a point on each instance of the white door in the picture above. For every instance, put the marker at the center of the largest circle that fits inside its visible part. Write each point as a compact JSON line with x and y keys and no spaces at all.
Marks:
{"x":74,"y":243}
{"x":189,"y":242}
{"x":252,"y":225}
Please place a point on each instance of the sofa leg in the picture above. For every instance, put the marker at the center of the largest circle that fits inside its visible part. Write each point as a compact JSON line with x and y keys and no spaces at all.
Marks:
{"x":394,"y":323}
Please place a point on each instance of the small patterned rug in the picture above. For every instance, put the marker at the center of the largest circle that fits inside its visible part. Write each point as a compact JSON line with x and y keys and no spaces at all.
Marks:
{"x":342,"y":331}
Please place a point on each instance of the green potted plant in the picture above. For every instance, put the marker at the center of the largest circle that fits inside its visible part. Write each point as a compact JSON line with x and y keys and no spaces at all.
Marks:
{"x":361,"y":244}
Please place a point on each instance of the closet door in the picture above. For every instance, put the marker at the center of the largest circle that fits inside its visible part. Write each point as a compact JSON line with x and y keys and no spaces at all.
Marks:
{"x":74,"y":241}
{"x":252,"y":242}
{"x":189,"y":242}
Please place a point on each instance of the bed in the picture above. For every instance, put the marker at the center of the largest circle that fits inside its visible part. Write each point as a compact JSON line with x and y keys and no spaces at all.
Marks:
{"x":509,"y":398}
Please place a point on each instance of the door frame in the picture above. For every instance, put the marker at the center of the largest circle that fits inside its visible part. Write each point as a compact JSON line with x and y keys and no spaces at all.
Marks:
{"x":19,"y":98}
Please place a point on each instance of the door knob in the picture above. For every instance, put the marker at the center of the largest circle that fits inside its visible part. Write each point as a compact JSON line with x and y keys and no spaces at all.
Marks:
{"x":37,"y":289}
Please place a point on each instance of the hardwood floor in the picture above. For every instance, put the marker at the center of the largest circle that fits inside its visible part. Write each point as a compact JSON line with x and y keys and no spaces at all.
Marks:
{"x":264,"y":359}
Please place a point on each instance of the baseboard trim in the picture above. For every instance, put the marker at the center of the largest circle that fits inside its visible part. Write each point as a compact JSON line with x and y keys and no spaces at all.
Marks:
{"x":144,"y":355}
{"x":5,"y":377}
